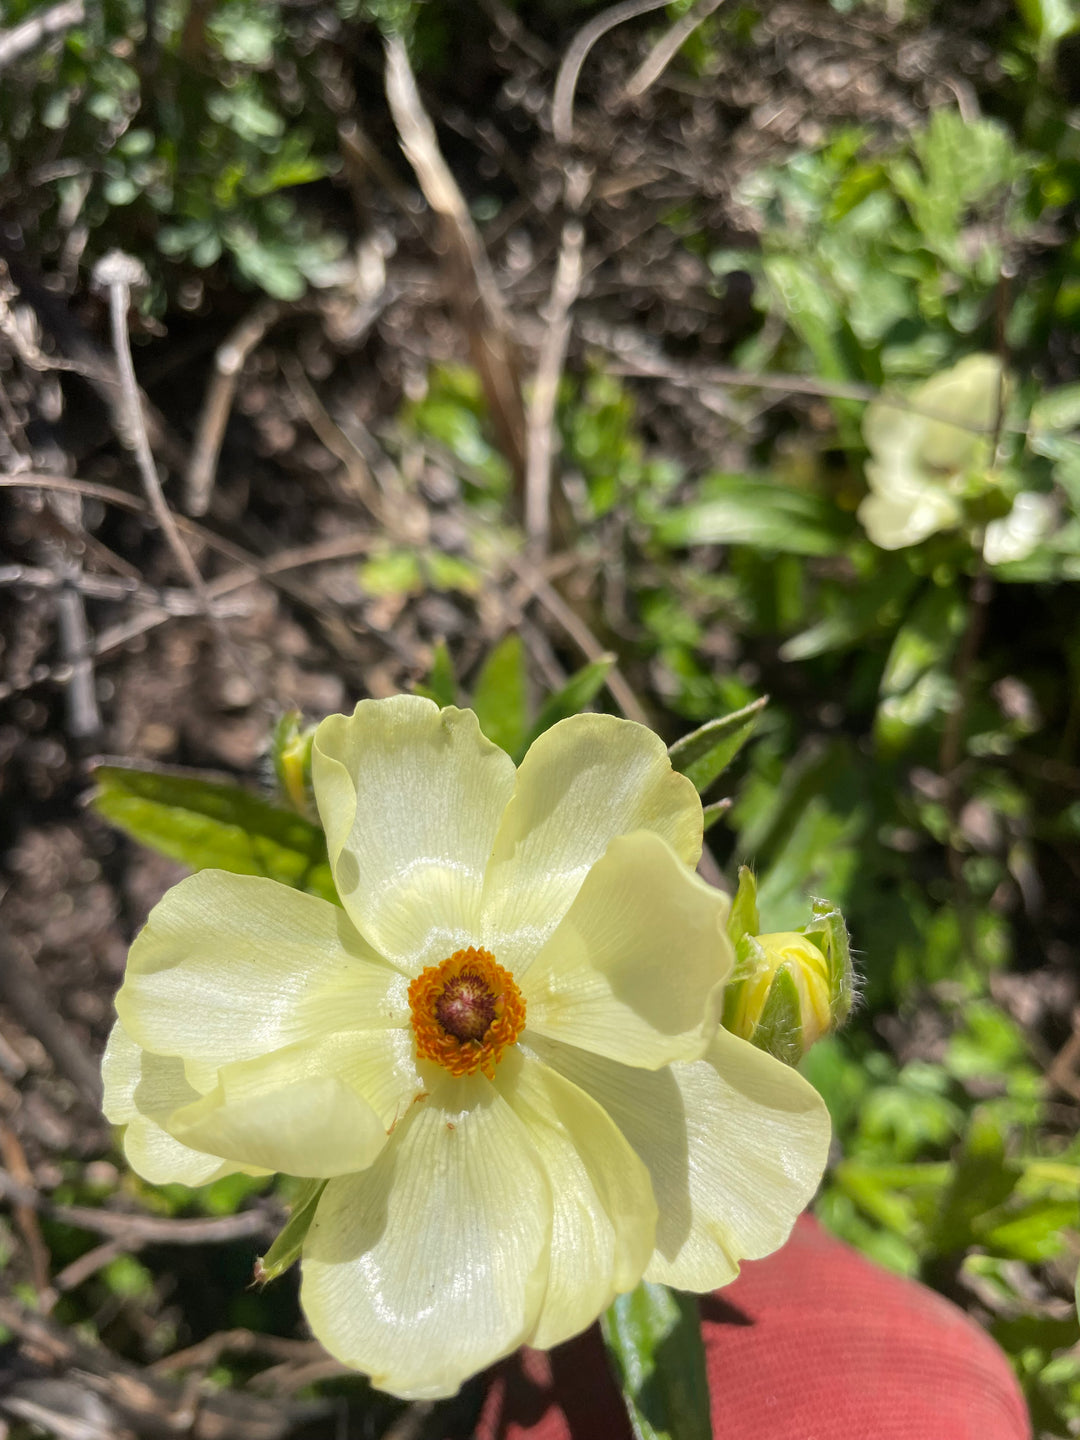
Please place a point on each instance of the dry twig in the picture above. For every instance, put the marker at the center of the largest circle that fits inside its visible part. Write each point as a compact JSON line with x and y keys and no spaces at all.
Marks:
{"x":667,"y":47}
{"x":541,"y":412}
{"x":473,"y":291}
{"x":562,"y":105}
{"x":229,"y":361}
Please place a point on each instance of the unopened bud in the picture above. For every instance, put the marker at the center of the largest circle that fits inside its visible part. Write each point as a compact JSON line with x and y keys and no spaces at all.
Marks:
{"x":290,"y":751}
{"x":791,"y":987}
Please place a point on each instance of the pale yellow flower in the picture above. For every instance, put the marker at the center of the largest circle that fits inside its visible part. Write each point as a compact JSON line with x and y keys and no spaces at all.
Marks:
{"x":502,"y":1052}
{"x":921,"y":466}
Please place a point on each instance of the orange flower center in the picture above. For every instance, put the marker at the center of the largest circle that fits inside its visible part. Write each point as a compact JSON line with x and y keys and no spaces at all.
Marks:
{"x":465,"y":1012}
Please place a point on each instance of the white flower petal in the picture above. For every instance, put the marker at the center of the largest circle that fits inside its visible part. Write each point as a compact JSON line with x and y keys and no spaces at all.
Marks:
{"x":229,"y":967}
{"x":969,"y":393}
{"x":159,"y":1083}
{"x":635,"y":968}
{"x":604,"y":1220}
{"x":583,"y":782}
{"x":433,"y":1263}
{"x":735,"y":1145}
{"x":1017,"y":534}
{"x":410,"y":797}
{"x":295,"y":1110}
{"x":895,"y":520}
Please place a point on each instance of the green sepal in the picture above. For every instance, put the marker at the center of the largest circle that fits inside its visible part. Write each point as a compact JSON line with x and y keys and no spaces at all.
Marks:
{"x":653,"y":1338}
{"x":285,"y":1250}
{"x":744,"y":919}
{"x":500,"y":697}
{"x":706,"y":752}
{"x":209,"y":824}
{"x":578,"y":692}
{"x":290,"y":753}
{"x":830,"y":934}
{"x":780,"y":1031}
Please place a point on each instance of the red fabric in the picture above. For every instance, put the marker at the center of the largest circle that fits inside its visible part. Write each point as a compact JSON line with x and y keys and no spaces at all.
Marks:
{"x":814,"y":1343}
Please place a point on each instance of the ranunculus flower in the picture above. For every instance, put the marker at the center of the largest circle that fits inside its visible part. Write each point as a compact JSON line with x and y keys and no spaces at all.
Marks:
{"x":921,"y":467}
{"x":503,"y":1052}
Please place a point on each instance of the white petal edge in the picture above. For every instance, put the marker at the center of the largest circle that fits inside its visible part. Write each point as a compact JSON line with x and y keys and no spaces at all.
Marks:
{"x":229,"y":967}
{"x":636,"y":967}
{"x":410,"y":797}
{"x":152,"y":1153}
{"x":293,"y":1111}
{"x":735,"y":1145}
{"x":432,"y":1264}
{"x":585,"y":781}
{"x":604,"y":1220}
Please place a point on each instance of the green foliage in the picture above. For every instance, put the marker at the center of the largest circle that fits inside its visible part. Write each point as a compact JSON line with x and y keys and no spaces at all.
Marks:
{"x":703,"y":755}
{"x":653,"y":1338}
{"x":289,"y":1242}
{"x":208,"y":824}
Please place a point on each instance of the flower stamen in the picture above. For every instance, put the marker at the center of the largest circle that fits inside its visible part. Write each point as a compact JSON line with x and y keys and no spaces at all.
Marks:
{"x":465,"y":1012}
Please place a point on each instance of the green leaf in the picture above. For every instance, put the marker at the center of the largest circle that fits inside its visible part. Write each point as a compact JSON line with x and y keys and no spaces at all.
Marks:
{"x":499,"y":698}
{"x":442,"y":684}
{"x":653,"y":1336}
{"x":285,"y":1250}
{"x":710,"y":814}
{"x":578,"y":692}
{"x":207,"y":824}
{"x":703,"y":754}
{"x":741,"y":510}
{"x":925,"y":641}
{"x":1057,"y":410}
{"x":744,"y":918}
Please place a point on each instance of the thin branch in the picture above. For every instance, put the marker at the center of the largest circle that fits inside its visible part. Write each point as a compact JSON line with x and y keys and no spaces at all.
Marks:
{"x":21,"y":988}
{"x":140,"y":1228}
{"x":229,"y":361}
{"x":634,"y":356}
{"x":562,"y":105}
{"x":116,"y":273}
{"x":540,"y":440}
{"x":667,"y":47}
{"x":474,"y":293}
{"x":21,"y":39}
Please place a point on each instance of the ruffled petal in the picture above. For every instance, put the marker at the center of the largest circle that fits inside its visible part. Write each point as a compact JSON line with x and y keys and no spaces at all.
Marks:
{"x":303,"y":1110}
{"x":229,"y":967}
{"x":735,"y":1145}
{"x":635,"y":969}
{"x":604,"y":1220}
{"x":583,"y":782}
{"x":132,"y":1076}
{"x":410,"y":797}
{"x":432,"y":1264}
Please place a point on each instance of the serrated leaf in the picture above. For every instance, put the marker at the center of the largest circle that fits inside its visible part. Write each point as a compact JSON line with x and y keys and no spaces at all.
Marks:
{"x":653,"y":1337}
{"x":209,"y":824}
{"x":706,"y":752}
{"x":500,"y":699}
{"x":285,"y":1250}
{"x":579,"y":691}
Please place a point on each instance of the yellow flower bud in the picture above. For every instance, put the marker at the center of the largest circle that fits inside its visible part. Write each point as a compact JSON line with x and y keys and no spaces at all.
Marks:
{"x":801,"y":1009}
{"x":790,"y":987}
{"x":291,"y":753}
